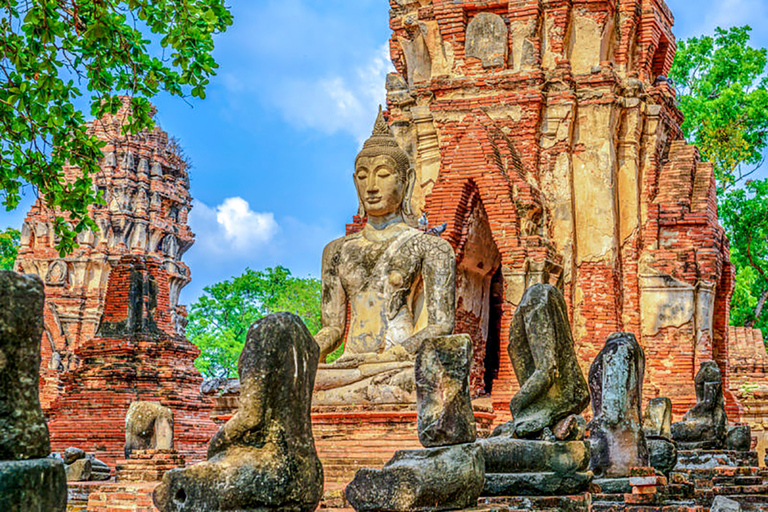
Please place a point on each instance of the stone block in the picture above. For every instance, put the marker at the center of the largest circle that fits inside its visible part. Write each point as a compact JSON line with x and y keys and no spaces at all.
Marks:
{"x":508,"y":455}
{"x":662,"y":454}
{"x":79,"y":471}
{"x":37,"y":485}
{"x":723,"y":504}
{"x":443,"y":478}
{"x":445,"y":414}
{"x":536,"y":484}
{"x":72,"y":454}
{"x":738,"y":438}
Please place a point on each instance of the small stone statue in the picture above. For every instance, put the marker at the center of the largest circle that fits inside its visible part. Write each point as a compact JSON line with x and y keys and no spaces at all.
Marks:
{"x":552,"y":387}
{"x":616,"y":387}
{"x":657,"y":426}
{"x":148,"y":426}
{"x":449,"y":473}
{"x":30,"y":481}
{"x":445,"y":414}
{"x":541,"y":451}
{"x":377,"y":273}
{"x":264,"y":458}
{"x":705,"y":425}
{"x":84,"y":467}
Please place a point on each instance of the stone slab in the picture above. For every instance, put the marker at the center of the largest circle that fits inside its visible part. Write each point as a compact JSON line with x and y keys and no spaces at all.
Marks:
{"x":37,"y":485}
{"x":535,"y":484}
{"x":613,"y":485}
{"x":709,"y":459}
{"x":508,"y":455}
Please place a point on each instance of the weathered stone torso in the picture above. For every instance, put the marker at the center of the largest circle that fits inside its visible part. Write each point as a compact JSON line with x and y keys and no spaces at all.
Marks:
{"x":382,"y":279}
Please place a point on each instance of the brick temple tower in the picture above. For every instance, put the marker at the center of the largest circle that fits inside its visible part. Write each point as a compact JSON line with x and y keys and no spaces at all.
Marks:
{"x":114,"y":330}
{"x":545,"y":134}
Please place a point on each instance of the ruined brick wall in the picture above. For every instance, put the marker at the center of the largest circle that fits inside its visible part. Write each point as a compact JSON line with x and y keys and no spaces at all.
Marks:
{"x":136,"y":354}
{"x":547,"y":133}
{"x":145,"y":186}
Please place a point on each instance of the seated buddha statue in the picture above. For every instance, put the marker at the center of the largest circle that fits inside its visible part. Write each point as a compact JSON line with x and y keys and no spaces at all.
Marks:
{"x":395,"y":282}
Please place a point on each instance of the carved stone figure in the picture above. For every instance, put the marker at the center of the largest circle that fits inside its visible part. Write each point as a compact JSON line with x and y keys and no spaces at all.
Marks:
{"x":616,"y":387}
{"x":657,"y":426}
{"x":264,"y":457}
{"x":487,"y":36}
{"x":445,"y":414}
{"x":398,"y":282}
{"x":82,"y":466}
{"x":29,"y":479}
{"x":148,"y":426}
{"x":552,"y":387}
{"x":541,"y":451}
{"x":705,"y":424}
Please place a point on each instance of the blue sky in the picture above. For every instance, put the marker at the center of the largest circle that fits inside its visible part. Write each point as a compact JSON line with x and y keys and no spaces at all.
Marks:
{"x":273,"y":144}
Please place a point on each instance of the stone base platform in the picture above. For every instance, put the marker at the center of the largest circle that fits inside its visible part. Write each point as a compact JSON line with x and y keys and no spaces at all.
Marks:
{"x":578,"y":503}
{"x":349,"y":438}
{"x":148,"y":465}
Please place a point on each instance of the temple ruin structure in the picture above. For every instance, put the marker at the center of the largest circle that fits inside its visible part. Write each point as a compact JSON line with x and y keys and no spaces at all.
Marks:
{"x":546,"y":136}
{"x":114,"y":330}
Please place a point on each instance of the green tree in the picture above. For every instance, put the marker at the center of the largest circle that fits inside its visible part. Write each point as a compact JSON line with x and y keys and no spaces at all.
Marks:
{"x":9,"y":248}
{"x":54,"y":51}
{"x":220,"y":319}
{"x":745,"y":213}
{"x":722,"y":91}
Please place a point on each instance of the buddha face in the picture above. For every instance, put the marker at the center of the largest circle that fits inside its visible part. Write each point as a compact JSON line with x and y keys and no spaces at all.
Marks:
{"x":380,"y":186}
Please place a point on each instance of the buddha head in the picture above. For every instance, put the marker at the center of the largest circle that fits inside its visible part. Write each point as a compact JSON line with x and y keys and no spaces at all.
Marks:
{"x":383,"y":174}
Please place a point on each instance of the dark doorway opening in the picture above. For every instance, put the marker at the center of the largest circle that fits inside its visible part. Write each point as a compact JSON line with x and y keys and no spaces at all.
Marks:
{"x":493,"y":343}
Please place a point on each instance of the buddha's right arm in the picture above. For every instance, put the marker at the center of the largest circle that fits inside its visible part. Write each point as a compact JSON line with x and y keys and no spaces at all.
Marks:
{"x":333,"y":303}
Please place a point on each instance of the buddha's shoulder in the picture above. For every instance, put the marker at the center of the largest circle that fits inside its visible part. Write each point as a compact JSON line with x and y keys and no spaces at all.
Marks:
{"x":430,"y":243}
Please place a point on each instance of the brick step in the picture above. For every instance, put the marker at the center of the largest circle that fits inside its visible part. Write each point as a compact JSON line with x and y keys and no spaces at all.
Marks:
{"x":739,"y":480}
{"x":728,"y":490}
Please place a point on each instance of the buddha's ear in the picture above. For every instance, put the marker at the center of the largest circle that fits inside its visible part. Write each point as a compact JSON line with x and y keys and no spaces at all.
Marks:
{"x":410,"y":182}
{"x":360,"y":207}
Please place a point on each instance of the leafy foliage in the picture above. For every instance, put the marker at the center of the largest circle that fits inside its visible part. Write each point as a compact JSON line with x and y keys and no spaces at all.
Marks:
{"x":9,"y":248}
{"x":721,"y":88}
{"x":723,"y":91}
{"x":52,"y":51}
{"x":745,"y":214}
{"x":220,"y":319}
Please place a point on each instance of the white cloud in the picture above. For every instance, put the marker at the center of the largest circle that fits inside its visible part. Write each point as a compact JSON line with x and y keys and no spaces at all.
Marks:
{"x":231,"y":228}
{"x":336,"y":103}
{"x":316,"y":66}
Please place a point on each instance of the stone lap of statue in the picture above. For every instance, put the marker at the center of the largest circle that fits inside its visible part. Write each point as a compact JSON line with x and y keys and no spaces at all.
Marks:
{"x":387,"y":274}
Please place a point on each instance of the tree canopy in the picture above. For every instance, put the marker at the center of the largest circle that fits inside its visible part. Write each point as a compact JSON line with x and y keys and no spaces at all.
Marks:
{"x":52,"y":52}
{"x":722,"y":90}
{"x":220,"y":319}
{"x":721,"y":86}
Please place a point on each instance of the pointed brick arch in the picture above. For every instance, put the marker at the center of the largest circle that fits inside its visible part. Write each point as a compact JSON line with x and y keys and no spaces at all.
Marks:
{"x":481,"y":168}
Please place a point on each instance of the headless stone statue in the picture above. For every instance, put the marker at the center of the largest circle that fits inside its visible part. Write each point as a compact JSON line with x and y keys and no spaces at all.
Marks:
{"x":657,"y":426}
{"x":398,"y":282}
{"x":148,"y":426}
{"x":552,"y":387}
{"x":264,"y":457}
{"x":705,"y":424}
{"x":542,"y":450}
{"x":616,"y":387}
{"x":30,"y":481}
